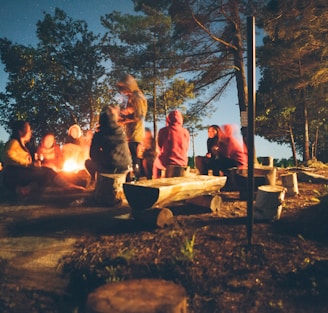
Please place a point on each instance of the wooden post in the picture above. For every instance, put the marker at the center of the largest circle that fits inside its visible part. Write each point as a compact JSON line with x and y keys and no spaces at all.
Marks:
{"x":138,"y":296}
{"x":268,"y":205}
{"x":290,"y":182}
{"x":109,"y":188}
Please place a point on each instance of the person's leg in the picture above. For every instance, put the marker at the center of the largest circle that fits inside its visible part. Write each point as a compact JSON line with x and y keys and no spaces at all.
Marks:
{"x":202,"y":165}
{"x":136,"y":161}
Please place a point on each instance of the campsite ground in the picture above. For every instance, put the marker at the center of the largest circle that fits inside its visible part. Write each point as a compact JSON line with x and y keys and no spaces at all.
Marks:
{"x":53,"y":253}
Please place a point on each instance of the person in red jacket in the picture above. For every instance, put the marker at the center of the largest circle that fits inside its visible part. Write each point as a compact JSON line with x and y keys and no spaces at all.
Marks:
{"x":232,"y":152}
{"x":173,"y":144}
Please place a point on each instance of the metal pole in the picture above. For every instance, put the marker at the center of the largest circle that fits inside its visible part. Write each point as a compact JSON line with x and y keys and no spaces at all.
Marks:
{"x":251,"y":122}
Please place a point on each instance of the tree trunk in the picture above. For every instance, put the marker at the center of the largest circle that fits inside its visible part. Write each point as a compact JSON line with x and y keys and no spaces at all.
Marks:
{"x":292,"y":143}
{"x":306,"y":144}
{"x":240,"y":74}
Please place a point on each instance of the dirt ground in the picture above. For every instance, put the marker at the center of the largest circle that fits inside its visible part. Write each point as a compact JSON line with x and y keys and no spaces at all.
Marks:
{"x":55,"y":253}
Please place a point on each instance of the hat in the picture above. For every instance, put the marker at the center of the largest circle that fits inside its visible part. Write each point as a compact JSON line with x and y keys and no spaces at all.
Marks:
{"x":75,"y":131}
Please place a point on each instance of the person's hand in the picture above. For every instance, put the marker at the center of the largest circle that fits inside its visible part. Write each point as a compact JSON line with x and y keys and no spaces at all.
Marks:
{"x":208,"y":155}
{"x":37,"y":163}
{"x":215,"y":150}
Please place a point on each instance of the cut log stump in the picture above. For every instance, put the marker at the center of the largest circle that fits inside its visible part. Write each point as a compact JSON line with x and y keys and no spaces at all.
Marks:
{"x":162,"y":192}
{"x":138,"y":296}
{"x":109,"y":188}
{"x":212,"y":202}
{"x":267,"y":161}
{"x":154,"y":217}
{"x":268,"y":204}
{"x":290,"y":182}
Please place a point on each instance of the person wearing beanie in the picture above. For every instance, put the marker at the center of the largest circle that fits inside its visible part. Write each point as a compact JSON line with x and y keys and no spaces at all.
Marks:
{"x":109,"y":150}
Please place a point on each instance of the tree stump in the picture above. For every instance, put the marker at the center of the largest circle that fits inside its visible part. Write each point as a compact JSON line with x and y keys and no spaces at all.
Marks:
{"x":268,"y":204}
{"x":212,"y":202}
{"x":290,"y":182}
{"x":176,"y":171}
{"x":109,"y":188}
{"x":267,"y":161}
{"x":154,"y":217}
{"x":138,"y":296}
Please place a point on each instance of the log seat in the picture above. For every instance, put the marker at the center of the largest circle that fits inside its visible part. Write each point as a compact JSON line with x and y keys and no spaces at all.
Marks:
{"x":161,"y":192}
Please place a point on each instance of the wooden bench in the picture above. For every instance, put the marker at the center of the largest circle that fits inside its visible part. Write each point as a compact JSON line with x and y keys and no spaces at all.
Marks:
{"x":160,"y":192}
{"x":148,"y":198}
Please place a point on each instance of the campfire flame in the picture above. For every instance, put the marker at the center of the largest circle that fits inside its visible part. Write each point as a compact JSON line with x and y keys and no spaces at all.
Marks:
{"x":72,"y":166}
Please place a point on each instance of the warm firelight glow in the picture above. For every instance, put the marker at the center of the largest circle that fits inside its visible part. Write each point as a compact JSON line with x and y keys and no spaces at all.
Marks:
{"x":71,"y":166}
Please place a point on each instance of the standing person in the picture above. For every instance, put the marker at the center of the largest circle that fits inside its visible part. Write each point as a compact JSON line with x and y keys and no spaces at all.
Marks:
{"x":109,"y":150}
{"x":173,"y":144}
{"x":149,"y":154}
{"x":20,"y":173}
{"x":133,"y":117}
{"x":211,"y":159}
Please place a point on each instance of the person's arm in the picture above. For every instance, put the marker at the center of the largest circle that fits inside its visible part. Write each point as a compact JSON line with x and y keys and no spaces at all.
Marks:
{"x":15,"y":155}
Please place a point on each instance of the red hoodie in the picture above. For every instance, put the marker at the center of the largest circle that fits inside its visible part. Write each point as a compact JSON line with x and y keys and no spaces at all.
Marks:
{"x":173,"y":141}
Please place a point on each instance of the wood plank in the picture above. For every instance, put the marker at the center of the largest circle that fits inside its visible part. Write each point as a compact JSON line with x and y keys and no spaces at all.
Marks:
{"x":163,"y":191}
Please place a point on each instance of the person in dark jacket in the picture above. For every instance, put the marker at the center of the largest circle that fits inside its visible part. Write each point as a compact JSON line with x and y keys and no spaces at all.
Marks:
{"x":109,"y":150}
{"x":210,"y":160}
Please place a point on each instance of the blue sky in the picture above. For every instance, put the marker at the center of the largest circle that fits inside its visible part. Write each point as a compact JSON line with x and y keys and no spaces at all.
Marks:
{"x":18,"y":23}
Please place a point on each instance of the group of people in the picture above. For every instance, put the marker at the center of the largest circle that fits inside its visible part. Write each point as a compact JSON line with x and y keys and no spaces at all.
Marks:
{"x":224,"y":151}
{"x":120,"y":144}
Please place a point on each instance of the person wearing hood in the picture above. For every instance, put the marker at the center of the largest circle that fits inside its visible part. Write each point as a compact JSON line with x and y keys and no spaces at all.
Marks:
{"x":173,"y":144}
{"x":109,"y":150}
{"x":133,"y":117}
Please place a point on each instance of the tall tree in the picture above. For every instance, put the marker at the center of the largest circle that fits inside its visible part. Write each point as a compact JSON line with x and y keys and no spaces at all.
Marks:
{"x":142,"y":45}
{"x":215,"y":33}
{"x":56,"y":83}
{"x":295,"y":53}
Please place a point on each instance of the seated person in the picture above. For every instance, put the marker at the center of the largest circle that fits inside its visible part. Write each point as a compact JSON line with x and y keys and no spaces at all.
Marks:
{"x":109,"y":151}
{"x":232,"y":152}
{"x":210,"y":160}
{"x":73,"y":151}
{"x":20,"y":173}
{"x":148,"y":154}
{"x":49,"y":152}
{"x":173,"y":144}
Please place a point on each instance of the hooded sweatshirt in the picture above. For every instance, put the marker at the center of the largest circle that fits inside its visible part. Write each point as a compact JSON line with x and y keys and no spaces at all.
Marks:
{"x":136,"y":109}
{"x":173,"y":141}
{"x":109,"y":149}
